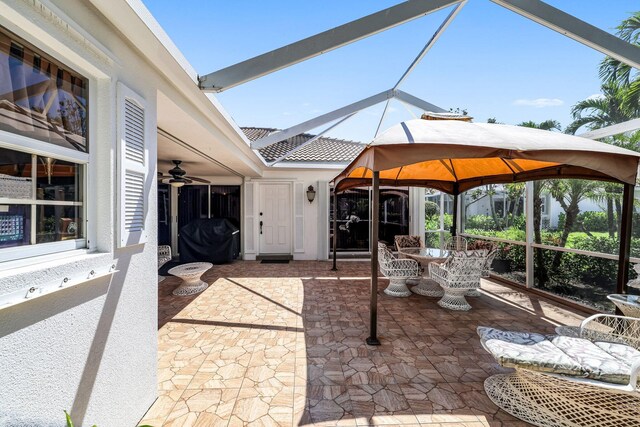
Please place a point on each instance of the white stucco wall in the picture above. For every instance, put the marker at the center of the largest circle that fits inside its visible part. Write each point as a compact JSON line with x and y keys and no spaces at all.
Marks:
{"x":90,"y":349}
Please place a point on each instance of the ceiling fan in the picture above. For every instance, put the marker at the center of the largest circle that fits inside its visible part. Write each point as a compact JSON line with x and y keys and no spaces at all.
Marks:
{"x":178,"y":177}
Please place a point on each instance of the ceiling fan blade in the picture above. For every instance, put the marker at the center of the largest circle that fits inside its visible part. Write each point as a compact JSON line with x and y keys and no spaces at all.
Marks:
{"x":193,"y":178}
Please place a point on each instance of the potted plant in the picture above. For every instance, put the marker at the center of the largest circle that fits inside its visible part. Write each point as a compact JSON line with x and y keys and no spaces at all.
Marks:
{"x":502,"y":262}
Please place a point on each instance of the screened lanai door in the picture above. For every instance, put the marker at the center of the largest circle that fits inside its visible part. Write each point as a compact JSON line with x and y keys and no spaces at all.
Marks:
{"x":353,"y":217}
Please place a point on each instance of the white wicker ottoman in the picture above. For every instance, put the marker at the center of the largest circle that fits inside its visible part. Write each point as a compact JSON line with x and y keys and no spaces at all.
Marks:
{"x":190,"y":275}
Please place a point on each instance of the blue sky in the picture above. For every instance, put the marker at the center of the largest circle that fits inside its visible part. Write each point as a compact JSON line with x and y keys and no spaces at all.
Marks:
{"x":490,"y":61}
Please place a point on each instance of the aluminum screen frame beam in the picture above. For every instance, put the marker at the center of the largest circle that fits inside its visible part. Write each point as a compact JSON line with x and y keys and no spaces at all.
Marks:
{"x":576,"y":29}
{"x":434,"y":38}
{"x":417,"y":102}
{"x":347,"y":110}
{"x":427,"y":47}
{"x":320,"y":43}
{"x":618,"y":128}
{"x":315,"y":138}
{"x":322,"y":119}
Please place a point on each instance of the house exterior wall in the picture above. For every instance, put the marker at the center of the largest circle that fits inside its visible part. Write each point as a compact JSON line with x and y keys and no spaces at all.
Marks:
{"x":90,"y":349}
{"x":315,"y":216}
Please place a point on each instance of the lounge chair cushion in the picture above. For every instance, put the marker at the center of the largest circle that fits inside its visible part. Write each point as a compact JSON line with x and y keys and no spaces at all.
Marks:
{"x":622,"y":352}
{"x":602,"y":361}
{"x":595,"y":362}
{"x":527,"y":350}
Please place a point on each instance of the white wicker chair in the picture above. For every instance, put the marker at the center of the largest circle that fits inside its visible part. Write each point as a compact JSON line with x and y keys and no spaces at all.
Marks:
{"x":164,"y":256}
{"x":397,"y":271}
{"x":590,"y":380}
{"x":408,"y":241}
{"x":459,"y":274}
{"x":455,"y":243}
{"x":486,"y":272}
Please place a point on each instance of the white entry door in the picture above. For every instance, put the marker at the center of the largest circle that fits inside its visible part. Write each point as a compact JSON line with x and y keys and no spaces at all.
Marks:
{"x":275,"y":219}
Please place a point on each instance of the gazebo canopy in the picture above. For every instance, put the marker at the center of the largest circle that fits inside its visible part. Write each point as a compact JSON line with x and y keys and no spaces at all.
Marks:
{"x":455,"y":156}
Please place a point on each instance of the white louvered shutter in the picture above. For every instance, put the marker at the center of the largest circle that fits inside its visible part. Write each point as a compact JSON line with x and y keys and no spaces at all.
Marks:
{"x":132,"y":168}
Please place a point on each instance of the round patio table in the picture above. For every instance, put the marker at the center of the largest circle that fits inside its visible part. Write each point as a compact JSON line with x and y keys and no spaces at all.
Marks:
{"x":424,"y":256}
{"x":190,"y":275}
{"x":628,"y":304}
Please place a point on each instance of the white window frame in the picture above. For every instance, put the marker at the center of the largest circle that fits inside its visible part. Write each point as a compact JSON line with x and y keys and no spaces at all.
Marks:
{"x":544,"y":205}
{"x":28,"y":145}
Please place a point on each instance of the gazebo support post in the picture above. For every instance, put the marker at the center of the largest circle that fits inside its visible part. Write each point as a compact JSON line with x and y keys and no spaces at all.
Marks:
{"x":625,"y":238}
{"x":454,"y":227}
{"x":335,"y":229}
{"x":373,"y":301}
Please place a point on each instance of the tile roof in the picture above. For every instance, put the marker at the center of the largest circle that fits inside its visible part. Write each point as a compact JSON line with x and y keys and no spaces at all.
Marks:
{"x":322,"y":150}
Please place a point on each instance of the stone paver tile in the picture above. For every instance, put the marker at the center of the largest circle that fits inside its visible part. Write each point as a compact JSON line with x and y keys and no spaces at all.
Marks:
{"x":319,"y":371}
{"x":365,"y":370}
{"x":217,"y":403}
{"x":380,"y":404}
{"x":288,"y":340}
{"x":263,"y":406}
{"x":162,"y":408}
{"x":219,"y":373}
{"x":323,"y":405}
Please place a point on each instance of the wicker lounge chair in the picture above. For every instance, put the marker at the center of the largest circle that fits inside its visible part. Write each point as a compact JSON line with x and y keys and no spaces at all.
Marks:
{"x":397,"y":271}
{"x":459,"y":274}
{"x":591,"y":380}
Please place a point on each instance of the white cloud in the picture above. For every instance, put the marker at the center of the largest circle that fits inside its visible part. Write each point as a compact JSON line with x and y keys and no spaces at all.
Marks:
{"x":596,"y":96}
{"x":539,"y":102}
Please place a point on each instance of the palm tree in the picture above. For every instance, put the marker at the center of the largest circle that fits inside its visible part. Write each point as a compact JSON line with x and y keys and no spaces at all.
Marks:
{"x":598,"y":112}
{"x":546,"y":125}
{"x":605,"y":110}
{"x":538,"y":187}
{"x":569,"y":193}
{"x":612,"y":70}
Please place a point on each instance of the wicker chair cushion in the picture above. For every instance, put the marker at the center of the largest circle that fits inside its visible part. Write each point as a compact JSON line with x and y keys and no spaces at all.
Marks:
{"x":603,"y":361}
{"x":404,"y":241}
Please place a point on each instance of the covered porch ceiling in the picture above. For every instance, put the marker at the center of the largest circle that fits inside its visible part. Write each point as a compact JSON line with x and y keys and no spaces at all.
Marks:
{"x":204,"y":149}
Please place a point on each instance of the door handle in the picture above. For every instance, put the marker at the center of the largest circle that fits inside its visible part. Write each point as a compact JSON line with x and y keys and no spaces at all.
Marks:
{"x":260,"y":227}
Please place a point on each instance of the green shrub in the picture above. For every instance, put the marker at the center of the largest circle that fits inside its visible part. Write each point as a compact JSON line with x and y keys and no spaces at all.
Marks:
{"x":480,"y":222}
{"x":591,"y":220}
{"x":431,"y":209}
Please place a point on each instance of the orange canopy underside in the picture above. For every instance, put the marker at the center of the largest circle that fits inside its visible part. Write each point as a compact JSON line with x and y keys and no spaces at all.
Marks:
{"x":455,"y":156}
{"x":445,"y":174}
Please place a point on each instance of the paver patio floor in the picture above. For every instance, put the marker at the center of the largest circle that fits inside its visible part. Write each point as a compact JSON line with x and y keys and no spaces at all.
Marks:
{"x":283,"y":344}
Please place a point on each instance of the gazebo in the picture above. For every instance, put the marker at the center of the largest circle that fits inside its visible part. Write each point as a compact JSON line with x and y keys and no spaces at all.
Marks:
{"x":455,"y":156}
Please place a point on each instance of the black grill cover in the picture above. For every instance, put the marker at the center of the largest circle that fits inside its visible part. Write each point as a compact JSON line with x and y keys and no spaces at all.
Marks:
{"x":213,"y":240}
